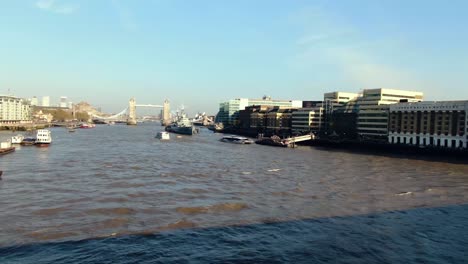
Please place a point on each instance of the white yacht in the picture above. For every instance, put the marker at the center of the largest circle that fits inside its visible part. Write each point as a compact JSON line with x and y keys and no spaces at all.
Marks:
{"x":43,"y":138}
{"x":163,"y":135}
{"x":236,"y":140}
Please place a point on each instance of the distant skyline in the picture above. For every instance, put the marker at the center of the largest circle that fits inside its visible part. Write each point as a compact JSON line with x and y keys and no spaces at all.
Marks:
{"x":200,"y":53}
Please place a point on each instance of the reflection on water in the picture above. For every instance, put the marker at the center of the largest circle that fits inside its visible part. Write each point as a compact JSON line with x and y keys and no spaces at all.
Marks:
{"x":120,"y":180}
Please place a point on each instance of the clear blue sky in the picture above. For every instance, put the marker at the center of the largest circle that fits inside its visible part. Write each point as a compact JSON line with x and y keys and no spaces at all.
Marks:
{"x":199,"y":53}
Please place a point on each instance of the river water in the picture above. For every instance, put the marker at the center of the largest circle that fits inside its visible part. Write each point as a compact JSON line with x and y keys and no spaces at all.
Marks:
{"x":117,"y":194}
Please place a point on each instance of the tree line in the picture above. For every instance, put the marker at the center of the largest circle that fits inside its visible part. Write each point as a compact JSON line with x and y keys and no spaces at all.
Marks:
{"x":62,"y":115}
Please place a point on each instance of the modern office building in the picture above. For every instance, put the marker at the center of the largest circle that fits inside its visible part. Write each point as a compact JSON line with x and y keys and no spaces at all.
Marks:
{"x":306,"y":120}
{"x":339,"y":98}
{"x":228,"y":112}
{"x":14,"y":110}
{"x":373,"y":110}
{"x":435,"y":124}
{"x":334,"y":101}
{"x":46,"y":101}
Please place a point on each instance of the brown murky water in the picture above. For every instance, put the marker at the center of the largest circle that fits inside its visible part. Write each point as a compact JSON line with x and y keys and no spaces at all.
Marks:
{"x":116,"y":180}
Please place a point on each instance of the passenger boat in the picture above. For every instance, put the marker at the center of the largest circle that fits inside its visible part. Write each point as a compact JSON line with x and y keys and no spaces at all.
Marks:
{"x":163,"y":135}
{"x":43,"y":138}
{"x":236,"y":140}
{"x":17,"y":139}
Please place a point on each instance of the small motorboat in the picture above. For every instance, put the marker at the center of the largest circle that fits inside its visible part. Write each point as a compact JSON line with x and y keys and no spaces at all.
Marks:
{"x":236,"y":140}
{"x":163,"y":135}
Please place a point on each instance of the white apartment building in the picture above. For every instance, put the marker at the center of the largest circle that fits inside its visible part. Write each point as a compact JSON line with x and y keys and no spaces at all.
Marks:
{"x":373,"y":110}
{"x":14,"y":110}
{"x":308,"y":119}
{"x":435,"y":124}
{"x":228,"y":112}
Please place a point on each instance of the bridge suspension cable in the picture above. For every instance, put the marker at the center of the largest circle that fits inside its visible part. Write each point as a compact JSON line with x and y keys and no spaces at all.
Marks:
{"x":113,"y":116}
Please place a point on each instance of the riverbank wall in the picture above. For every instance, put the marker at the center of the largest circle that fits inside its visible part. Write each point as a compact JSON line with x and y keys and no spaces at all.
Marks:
{"x":24,"y":127}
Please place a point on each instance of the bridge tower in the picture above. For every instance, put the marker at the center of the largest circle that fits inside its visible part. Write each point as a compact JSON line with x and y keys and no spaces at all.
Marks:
{"x":131,"y":112}
{"x":166,"y":111}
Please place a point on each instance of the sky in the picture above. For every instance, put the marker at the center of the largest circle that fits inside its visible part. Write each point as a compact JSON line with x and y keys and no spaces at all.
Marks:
{"x":200,"y":53}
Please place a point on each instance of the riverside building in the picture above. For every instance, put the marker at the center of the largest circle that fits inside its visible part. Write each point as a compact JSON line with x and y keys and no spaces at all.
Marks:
{"x":278,"y":120}
{"x":228,"y":112}
{"x":373,"y":110}
{"x":339,"y":98}
{"x":14,"y":110}
{"x":306,"y":120}
{"x":436,"y":124}
{"x":336,"y":101}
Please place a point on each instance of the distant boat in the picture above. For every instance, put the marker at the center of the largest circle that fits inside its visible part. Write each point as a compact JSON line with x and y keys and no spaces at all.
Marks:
{"x":43,"y":138}
{"x":236,"y":140}
{"x":163,"y":135}
{"x":5,"y":148}
{"x":17,"y":139}
{"x":71,"y":130}
{"x":86,"y":125}
{"x":182,"y":125}
{"x":217,"y":127}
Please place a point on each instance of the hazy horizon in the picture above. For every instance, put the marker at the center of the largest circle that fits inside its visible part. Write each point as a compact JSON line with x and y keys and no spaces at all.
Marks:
{"x":201,"y":53}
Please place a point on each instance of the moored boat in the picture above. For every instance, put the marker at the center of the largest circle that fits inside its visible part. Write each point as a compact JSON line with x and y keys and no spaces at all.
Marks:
{"x":163,"y":135}
{"x":43,"y":138}
{"x":274,"y":141}
{"x":17,"y":139}
{"x":28,"y":141}
{"x":182,"y":125}
{"x":236,"y":140}
{"x":5,"y":148}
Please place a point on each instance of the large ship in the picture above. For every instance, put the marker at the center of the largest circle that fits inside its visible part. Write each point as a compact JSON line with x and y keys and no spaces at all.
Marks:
{"x":182,"y":125}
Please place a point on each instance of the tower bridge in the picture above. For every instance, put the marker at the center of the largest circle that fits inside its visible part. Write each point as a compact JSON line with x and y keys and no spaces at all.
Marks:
{"x":130,"y":112}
